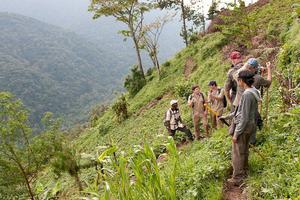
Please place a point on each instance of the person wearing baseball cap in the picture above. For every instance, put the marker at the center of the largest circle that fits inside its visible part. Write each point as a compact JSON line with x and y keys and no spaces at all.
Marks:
{"x":173,"y":121}
{"x":259,"y":81}
{"x":230,"y":87}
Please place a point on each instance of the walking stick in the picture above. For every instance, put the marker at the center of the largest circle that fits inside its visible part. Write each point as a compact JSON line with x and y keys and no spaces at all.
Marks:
{"x":267,"y":107}
{"x":215,"y":113}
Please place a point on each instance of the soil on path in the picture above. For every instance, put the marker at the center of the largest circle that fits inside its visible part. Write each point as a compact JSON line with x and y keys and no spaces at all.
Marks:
{"x":231,"y":192}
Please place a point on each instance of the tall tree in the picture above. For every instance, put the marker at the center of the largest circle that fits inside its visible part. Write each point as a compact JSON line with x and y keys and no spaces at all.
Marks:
{"x":129,"y":12}
{"x":150,"y":40}
{"x":178,"y":5}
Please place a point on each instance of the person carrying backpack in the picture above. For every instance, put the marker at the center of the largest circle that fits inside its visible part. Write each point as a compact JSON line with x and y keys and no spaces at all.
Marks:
{"x":243,"y":126}
{"x":173,"y":121}
{"x":230,"y":88}
{"x":218,"y":102}
{"x":196,"y":101}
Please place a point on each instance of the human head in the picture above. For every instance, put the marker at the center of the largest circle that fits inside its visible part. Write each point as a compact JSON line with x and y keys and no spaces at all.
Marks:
{"x":253,"y":65}
{"x":195,"y":88}
{"x":213,"y":85}
{"x":235,"y":57}
{"x":245,"y":78}
{"x":174,"y":104}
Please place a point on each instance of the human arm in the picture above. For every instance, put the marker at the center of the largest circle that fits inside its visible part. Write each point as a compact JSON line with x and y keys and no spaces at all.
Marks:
{"x":191,"y":101}
{"x":220,"y":96}
{"x":229,"y":84}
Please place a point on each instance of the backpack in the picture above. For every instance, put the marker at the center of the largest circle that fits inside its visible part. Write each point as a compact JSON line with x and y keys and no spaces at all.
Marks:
{"x":224,"y":99}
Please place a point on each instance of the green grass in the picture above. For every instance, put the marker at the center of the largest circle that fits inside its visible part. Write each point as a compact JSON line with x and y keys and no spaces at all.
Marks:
{"x":203,"y":165}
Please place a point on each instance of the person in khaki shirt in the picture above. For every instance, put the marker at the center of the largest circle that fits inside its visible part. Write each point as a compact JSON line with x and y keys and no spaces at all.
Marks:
{"x":173,"y":121}
{"x":216,"y":99}
{"x":196,"y":101}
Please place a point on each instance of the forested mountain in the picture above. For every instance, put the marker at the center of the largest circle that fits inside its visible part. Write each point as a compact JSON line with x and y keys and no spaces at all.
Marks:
{"x":53,"y":70}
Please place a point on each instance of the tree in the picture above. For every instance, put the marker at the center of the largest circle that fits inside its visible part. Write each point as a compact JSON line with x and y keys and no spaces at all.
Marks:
{"x":238,"y":25}
{"x":177,"y":5}
{"x":150,"y":40}
{"x":213,"y":10}
{"x":14,"y":139}
{"x":129,"y":12}
{"x":21,"y":154}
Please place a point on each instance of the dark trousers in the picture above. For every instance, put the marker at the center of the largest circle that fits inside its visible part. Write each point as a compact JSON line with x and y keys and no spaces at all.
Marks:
{"x":185,"y":130}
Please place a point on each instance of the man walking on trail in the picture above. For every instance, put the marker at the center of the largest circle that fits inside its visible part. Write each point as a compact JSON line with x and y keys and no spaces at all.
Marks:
{"x":216,"y":99}
{"x":196,"y":101}
{"x":173,"y":121}
{"x":245,"y":125}
{"x":230,"y":87}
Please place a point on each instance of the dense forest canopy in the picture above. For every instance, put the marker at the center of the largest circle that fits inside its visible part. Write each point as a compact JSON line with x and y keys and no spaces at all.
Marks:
{"x":53,"y":70}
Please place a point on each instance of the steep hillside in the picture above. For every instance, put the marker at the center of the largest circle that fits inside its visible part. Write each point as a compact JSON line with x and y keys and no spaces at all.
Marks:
{"x":197,"y":170}
{"x":53,"y":70}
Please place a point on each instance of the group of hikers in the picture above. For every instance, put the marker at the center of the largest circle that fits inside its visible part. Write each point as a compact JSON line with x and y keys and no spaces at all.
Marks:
{"x":242,"y":92}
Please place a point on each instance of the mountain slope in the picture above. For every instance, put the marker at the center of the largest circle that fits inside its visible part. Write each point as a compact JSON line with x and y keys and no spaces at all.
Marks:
{"x":51,"y":69}
{"x":202,"y":166}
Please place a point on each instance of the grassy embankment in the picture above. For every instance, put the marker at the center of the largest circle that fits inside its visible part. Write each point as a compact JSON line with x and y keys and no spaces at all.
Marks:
{"x":203,"y":165}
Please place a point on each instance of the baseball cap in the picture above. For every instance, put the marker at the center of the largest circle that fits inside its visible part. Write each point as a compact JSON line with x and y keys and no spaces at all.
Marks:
{"x":235,"y":55}
{"x":173,"y":102}
{"x":253,"y":62}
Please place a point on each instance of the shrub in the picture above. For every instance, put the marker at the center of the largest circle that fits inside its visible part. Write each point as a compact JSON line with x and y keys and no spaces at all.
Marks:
{"x":120,"y":108}
{"x":134,"y":82}
{"x":96,"y":113}
{"x":183,"y":89}
{"x":167,"y":64}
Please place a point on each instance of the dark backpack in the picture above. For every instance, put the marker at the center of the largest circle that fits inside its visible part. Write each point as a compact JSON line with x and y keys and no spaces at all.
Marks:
{"x":224,"y":98}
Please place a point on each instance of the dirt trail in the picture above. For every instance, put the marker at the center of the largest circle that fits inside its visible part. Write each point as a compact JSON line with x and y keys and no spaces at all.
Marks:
{"x":231,"y":192}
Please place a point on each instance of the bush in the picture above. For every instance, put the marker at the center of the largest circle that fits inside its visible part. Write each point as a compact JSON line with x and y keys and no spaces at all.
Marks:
{"x":96,"y":113}
{"x":134,"y":82}
{"x":183,"y":90}
{"x":120,"y":108}
{"x":167,"y":64}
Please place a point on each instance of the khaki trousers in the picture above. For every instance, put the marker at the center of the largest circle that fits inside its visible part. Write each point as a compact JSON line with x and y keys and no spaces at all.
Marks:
{"x":240,"y":153}
{"x":196,"y":120}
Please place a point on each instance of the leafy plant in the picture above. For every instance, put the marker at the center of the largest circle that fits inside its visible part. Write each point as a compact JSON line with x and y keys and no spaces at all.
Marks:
{"x":120,"y":108}
{"x":137,"y":176}
{"x":134,"y":82}
{"x":238,"y":25}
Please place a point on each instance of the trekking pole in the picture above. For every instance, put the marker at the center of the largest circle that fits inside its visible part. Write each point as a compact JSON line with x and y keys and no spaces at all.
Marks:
{"x":215,"y":113}
{"x":267,"y":107}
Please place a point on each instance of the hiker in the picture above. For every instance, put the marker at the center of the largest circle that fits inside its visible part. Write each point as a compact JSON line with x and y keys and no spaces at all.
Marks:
{"x":230,"y":87}
{"x":243,"y":126}
{"x":196,"y":101}
{"x":217,"y":100}
{"x":259,"y":82}
{"x":173,"y":121}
